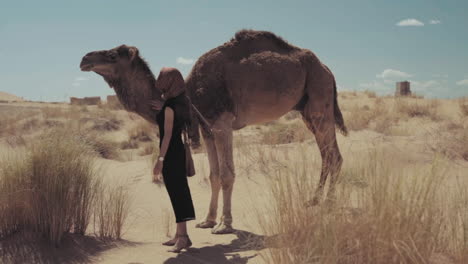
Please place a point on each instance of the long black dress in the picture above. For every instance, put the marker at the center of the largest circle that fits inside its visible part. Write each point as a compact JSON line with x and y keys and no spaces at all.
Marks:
{"x":174,"y":173}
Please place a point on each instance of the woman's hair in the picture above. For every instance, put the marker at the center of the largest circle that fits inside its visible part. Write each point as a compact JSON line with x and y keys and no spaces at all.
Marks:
{"x":172,"y":84}
{"x":181,"y":107}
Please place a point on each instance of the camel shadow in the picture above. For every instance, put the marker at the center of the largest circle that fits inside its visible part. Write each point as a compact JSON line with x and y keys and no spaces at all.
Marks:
{"x":30,"y":248}
{"x":219,"y":254}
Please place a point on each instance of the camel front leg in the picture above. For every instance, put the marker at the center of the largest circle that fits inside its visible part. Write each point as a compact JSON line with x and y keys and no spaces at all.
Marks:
{"x":210,"y":220}
{"x":223,"y":138}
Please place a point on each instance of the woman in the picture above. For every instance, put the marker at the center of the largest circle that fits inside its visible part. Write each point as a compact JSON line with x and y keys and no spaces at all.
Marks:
{"x":172,"y":118}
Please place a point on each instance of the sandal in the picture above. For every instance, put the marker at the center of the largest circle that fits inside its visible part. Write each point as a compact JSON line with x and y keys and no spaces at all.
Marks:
{"x":181,"y":245}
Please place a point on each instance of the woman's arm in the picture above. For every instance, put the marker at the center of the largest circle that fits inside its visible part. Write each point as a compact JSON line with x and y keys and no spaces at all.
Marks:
{"x":168,"y":125}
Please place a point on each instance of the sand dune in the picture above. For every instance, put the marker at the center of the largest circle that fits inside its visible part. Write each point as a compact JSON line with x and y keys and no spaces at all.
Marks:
{"x":9,"y":97}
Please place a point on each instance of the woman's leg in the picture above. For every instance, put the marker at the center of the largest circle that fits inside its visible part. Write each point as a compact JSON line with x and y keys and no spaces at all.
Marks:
{"x":182,"y":238}
{"x":181,"y":231}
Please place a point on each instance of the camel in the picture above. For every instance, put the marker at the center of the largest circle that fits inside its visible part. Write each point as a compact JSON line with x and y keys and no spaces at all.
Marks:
{"x":255,"y":77}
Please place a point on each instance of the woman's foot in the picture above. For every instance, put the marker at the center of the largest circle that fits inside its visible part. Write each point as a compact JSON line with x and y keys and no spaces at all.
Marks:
{"x":183,"y":242}
{"x":170,"y":242}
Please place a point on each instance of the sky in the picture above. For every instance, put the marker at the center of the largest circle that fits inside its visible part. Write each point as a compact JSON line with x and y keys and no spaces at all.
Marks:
{"x":368,"y":44}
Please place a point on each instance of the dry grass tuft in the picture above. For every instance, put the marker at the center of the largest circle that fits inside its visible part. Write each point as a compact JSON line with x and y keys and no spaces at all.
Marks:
{"x":102,"y":146}
{"x":281,"y":133}
{"x":370,"y":94}
{"x":143,"y":131}
{"x":383,"y":214}
{"x":111,"y":211}
{"x":52,"y":188}
{"x":463,"y":104}
{"x":418,"y":108}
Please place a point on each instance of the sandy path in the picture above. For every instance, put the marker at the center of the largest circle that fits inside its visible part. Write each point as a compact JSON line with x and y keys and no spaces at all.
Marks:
{"x":152,"y":216}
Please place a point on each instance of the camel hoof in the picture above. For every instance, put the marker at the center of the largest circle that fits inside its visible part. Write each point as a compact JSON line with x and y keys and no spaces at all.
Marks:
{"x":222,"y":228}
{"x":206,"y":224}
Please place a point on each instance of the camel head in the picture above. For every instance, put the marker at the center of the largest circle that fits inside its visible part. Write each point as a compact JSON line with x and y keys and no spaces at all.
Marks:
{"x":110,"y":63}
{"x":128,"y":74}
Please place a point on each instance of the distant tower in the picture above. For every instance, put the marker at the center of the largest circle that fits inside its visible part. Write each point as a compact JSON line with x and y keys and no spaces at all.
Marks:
{"x":403,"y":89}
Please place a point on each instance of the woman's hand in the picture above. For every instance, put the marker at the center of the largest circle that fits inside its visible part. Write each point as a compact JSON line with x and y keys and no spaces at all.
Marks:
{"x":157,"y":172}
{"x":157,"y":104}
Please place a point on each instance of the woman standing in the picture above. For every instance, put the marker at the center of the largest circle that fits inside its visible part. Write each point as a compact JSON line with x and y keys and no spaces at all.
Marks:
{"x":172,"y":119}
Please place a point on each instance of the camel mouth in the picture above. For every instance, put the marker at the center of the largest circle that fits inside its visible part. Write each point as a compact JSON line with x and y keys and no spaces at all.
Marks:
{"x":86,"y":67}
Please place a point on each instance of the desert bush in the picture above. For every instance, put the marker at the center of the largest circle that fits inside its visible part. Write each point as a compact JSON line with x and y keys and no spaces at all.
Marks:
{"x":417,"y":108}
{"x":359,"y":118}
{"x":370,"y":94}
{"x":53,"y":112}
{"x":383,"y":214}
{"x":451,"y":141}
{"x":283,"y":133}
{"x":111,"y":106}
{"x":463,"y":104}
{"x":111,"y":211}
{"x":111,"y":124}
{"x":292,"y":115}
{"x":129,"y":144}
{"x":55,"y":182}
{"x":53,"y":188}
{"x":143,"y":131}
{"x":147,"y":150}
{"x":102,"y":146}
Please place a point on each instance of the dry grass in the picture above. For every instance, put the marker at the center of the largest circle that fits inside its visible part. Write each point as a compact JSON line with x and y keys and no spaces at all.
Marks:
{"x":418,"y":108}
{"x":383,"y":214}
{"x":361,"y":117}
{"x":463,"y":104}
{"x":104,"y":147}
{"x":143,"y":131}
{"x":50,"y":186}
{"x":53,"y":188}
{"x":284,"y":133}
{"x":370,"y":94}
{"x":451,"y":140}
{"x":111,"y":211}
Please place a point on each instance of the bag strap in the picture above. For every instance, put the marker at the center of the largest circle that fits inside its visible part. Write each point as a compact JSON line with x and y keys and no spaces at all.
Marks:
{"x":205,"y":124}
{"x":186,"y":138}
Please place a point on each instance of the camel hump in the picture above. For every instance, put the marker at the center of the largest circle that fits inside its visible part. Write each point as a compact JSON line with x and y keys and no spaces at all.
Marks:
{"x":252,"y":35}
{"x":169,"y":70}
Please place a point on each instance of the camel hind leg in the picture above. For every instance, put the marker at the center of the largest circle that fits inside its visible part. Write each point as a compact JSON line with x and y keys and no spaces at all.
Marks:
{"x":318,"y":115}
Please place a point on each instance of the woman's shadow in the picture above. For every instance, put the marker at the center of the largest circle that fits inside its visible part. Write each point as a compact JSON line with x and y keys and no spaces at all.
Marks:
{"x":219,"y":254}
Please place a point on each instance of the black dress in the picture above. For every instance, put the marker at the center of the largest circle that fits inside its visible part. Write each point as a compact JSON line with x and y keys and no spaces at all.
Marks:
{"x":174,"y":174}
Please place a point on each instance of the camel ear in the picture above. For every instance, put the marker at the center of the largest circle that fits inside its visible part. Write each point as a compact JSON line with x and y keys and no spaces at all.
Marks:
{"x":132,"y":52}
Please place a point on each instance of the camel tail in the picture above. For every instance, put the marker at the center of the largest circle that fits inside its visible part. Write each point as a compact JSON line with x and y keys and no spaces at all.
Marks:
{"x":339,"y":122}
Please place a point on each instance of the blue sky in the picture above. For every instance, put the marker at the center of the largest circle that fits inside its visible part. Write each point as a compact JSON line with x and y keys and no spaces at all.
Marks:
{"x":368,"y":44}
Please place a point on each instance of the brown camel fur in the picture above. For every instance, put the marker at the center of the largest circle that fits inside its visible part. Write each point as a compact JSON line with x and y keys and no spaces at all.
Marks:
{"x":255,"y":77}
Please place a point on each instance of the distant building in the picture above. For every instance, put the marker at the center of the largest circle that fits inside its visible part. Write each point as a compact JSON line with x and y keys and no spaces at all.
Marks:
{"x":403,"y":89}
{"x":75,"y":101}
{"x":95,"y":100}
{"x":85,"y":101}
{"x":112,"y":99}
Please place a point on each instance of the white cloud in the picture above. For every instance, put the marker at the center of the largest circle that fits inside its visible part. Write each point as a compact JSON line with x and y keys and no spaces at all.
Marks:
{"x":410,"y":22}
{"x":425,"y":85}
{"x":79,"y":79}
{"x":443,"y":76}
{"x":462,"y":82}
{"x":375,"y":85}
{"x":434,"y":21}
{"x":76,"y":84}
{"x":184,"y":61}
{"x":393,"y":74}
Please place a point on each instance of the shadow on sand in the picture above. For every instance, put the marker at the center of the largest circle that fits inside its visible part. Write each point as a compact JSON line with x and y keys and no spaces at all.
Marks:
{"x":219,"y":254}
{"x":29,"y":248}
